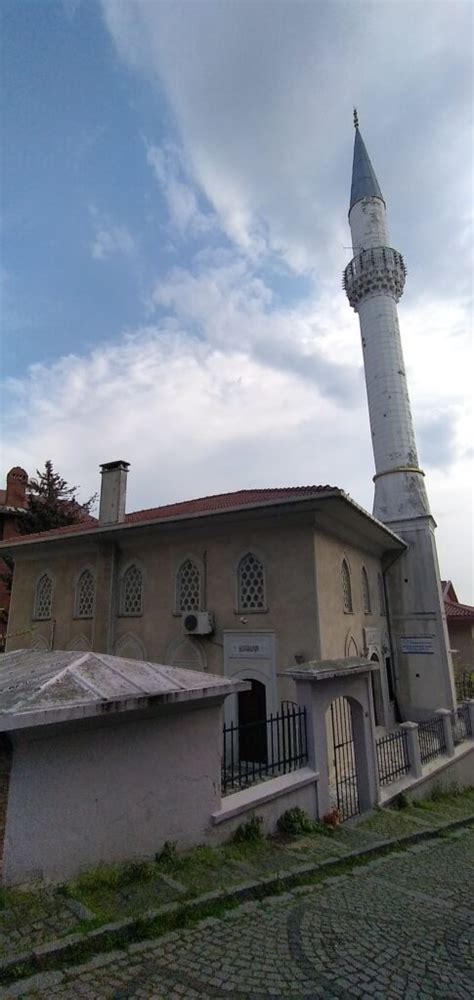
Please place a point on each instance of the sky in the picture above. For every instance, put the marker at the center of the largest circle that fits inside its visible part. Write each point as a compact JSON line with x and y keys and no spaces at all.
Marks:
{"x":174,"y":185}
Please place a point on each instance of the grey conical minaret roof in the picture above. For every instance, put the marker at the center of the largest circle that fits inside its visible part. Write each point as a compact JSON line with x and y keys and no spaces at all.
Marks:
{"x":364,"y":181}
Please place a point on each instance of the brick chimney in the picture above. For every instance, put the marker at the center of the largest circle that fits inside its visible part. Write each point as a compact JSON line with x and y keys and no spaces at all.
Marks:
{"x":113,"y":492}
{"x":17,"y":481}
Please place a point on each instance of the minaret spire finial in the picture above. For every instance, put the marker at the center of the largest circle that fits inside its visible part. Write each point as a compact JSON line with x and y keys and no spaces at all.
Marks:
{"x":356,"y":118}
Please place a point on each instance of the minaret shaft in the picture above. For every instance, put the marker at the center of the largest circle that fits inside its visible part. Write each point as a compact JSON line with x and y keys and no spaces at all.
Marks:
{"x":374,"y":281}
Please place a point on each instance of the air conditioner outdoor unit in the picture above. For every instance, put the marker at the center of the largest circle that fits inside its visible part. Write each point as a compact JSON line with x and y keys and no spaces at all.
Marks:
{"x":198,"y":623}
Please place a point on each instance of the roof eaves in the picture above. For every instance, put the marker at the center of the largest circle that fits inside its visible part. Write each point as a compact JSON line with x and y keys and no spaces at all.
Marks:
{"x":97,"y":530}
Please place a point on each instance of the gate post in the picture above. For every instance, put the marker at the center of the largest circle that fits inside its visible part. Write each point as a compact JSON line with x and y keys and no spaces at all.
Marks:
{"x":413,"y":748}
{"x":318,"y":684}
{"x":447,"y":716}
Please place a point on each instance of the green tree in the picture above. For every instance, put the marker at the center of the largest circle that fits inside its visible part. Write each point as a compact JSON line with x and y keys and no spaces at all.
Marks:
{"x":52,"y":503}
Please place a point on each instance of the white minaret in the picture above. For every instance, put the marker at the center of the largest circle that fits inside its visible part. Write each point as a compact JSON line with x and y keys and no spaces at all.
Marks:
{"x":374,"y":282}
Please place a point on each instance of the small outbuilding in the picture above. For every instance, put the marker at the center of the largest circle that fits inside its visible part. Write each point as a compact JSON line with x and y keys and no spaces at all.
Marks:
{"x":103,"y":759}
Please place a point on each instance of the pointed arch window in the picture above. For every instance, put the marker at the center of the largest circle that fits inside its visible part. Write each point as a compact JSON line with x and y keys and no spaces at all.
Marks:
{"x":131,"y":591}
{"x":365,"y":592}
{"x":346,"y":586}
{"x":43,"y":597}
{"x":382,"y":608}
{"x":188,"y":587}
{"x":85,"y":595}
{"x":251,"y":584}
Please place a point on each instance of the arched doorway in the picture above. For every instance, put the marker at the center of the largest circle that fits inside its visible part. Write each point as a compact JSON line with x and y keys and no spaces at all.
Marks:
{"x":377,"y":693}
{"x":252,"y":709}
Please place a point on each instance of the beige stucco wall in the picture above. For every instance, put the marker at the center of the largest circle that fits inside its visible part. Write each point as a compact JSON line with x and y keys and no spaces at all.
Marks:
{"x":306,"y":623}
{"x":336,"y":626}
{"x":106,"y":792}
{"x":284,"y":546}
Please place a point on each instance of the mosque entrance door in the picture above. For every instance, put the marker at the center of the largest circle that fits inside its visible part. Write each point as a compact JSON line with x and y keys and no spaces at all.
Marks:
{"x":252,"y":724}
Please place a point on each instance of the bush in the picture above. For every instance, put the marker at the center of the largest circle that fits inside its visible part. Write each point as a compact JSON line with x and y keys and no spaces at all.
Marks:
{"x":295,"y":822}
{"x":249,"y":832}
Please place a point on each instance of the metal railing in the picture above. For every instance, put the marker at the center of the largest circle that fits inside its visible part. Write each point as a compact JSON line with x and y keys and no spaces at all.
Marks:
{"x":432,"y":739}
{"x":392,"y":757}
{"x":465,"y":685}
{"x":255,"y":751}
{"x":461,"y":724}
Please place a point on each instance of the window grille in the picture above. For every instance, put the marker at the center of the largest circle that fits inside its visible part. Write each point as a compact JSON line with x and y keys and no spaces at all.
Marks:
{"x":43,"y":597}
{"x":251,"y":583}
{"x":132,"y":591}
{"x":381,"y":594}
{"x":365,"y":591}
{"x":85,"y":595}
{"x":346,"y":586}
{"x":188,"y":587}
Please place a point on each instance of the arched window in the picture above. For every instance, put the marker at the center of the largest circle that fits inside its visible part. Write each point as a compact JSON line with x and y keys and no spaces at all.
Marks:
{"x":188,"y":587}
{"x":346,"y":586}
{"x":382,"y":608}
{"x":365,"y":592}
{"x":85,"y":595}
{"x":251,"y":584}
{"x":43,"y":597}
{"x":131,"y":592}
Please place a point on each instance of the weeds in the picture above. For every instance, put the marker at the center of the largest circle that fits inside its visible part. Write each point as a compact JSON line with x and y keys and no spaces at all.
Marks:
{"x":295,"y":822}
{"x":249,"y":832}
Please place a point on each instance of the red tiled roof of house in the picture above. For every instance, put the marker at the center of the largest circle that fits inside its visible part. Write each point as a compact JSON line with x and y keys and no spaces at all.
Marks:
{"x":456,"y":612}
{"x":453,"y":608}
{"x":203,"y":505}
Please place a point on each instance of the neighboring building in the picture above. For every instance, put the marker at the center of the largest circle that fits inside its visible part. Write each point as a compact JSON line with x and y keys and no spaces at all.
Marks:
{"x":12,"y":506}
{"x":460,"y":619}
{"x":243,"y":584}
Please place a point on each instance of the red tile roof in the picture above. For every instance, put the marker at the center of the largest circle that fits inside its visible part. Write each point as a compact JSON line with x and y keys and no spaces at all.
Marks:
{"x":457,"y":612}
{"x":203,"y":505}
{"x":454,"y":610}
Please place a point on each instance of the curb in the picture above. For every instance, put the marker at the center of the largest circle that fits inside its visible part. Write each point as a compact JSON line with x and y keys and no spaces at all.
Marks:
{"x":282,"y":881}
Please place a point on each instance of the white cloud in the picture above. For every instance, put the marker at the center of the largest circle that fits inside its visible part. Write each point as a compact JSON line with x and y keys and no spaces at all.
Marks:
{"x":181,"y":198}
{"x":110,"y":238}
{"x":251,"y":397}
{"x":262,"y":95}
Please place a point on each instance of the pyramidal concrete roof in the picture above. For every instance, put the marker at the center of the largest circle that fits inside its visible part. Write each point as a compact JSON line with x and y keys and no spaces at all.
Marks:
{"x":38,"y":688}
{"x":364,"y":181}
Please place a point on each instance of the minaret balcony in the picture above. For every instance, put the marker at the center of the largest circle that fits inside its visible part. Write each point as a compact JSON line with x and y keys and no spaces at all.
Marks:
{"x":372,"y":272}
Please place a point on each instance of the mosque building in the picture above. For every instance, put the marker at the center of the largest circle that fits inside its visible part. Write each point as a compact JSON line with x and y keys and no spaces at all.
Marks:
{"x":247,"y":583}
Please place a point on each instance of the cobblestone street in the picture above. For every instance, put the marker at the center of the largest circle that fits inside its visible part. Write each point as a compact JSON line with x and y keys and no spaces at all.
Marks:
{"x":400,"y":926}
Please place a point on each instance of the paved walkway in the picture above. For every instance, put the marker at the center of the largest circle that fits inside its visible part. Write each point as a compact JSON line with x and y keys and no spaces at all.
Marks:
{"x":396,"y":927}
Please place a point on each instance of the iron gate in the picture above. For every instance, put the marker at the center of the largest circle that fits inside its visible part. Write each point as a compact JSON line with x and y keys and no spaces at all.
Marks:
{"x":344,"y":759}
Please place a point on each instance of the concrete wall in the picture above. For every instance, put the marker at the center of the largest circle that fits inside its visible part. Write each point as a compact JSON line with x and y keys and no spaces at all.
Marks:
{"x":425,"y":681}
{"x":268,"y":801}
{"x":110,"y":790}
{"x":444,"y":774}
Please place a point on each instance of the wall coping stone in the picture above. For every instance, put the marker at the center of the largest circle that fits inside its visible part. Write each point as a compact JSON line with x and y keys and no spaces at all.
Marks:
{"x":250,"y":798}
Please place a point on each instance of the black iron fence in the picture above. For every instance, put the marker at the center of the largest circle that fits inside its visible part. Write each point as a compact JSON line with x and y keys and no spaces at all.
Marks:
{"x":255,"y":751}
{"x":465,"y":685}
{"x":432,"y":738}
{"x":461,"y":724}
{"x":392,"y":757}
